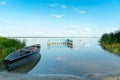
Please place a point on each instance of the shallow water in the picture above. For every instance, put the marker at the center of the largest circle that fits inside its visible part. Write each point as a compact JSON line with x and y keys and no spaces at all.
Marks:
{"x":84,"y":57}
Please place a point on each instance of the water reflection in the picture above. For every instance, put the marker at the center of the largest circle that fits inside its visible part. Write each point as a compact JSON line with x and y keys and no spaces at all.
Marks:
{"x":85,"y":42}
{"x":28,"y":67}
{"x":115,"y":49}
{"x":60,"y":43}
{"x":78,"y":61}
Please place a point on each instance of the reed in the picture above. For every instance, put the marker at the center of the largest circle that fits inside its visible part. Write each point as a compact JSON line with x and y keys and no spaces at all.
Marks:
{"x":7,"y":45}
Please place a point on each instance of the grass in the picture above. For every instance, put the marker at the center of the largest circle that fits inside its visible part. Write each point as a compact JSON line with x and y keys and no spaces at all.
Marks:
{"x":114,"y":48}
{"x":7,"y":45}
{"x":111,"y":42}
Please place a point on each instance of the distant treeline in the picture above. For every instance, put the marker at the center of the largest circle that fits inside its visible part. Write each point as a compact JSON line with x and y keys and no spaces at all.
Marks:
{"x":7,"y":45}
{"x":110,"y":38}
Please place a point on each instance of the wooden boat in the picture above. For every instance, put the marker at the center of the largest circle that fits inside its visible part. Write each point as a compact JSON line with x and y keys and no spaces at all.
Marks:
{"x":22,"y":56}
{"x":70,"y":42}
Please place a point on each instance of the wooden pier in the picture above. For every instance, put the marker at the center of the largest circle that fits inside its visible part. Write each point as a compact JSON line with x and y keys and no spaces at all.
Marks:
{"x":60,"y":42}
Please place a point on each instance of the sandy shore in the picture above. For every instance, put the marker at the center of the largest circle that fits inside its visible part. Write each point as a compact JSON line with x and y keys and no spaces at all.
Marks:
{"x":13,"y":76}
{"x":112,"y":78}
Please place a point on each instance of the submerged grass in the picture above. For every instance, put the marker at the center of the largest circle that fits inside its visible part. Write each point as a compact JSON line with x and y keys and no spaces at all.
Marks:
{"x":114,"y":48}
{"x":7,"y":45}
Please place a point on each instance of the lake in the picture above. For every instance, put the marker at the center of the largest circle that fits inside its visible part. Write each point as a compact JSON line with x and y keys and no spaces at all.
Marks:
{"x":83,"y":57}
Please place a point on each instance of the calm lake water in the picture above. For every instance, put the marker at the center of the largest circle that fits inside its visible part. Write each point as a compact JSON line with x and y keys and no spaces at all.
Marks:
{"x":84,"y":57}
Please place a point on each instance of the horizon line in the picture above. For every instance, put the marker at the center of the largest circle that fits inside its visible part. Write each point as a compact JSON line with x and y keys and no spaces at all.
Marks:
{"x":52,"y":37}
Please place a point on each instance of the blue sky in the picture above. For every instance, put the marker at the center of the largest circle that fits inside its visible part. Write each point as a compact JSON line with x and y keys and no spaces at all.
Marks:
{"x":59,"y":17}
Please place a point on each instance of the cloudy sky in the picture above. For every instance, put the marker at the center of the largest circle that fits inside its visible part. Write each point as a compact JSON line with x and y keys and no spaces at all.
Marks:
{"x":59,"y":17}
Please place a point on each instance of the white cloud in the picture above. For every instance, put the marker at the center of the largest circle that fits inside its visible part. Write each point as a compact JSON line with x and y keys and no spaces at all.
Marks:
{"x":79,"y":11}
{"x":58,"y":16}
{"x":82,"y":12}
{"x":3,"y":20}
{"x":39,"y":32}
{"x":70,"y":32}
{"x":73,"y":26}
{"x":54,"y":4}
{"x":87,"y":30}
{"x":12,"y":27}
{"x":3,"y":2}
{"x":58,"y":5}
{"x":64,"y":6}
{"x":112,"y":30}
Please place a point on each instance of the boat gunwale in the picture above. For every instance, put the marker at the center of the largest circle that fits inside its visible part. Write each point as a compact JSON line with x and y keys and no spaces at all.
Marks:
{"x":6,"y":60}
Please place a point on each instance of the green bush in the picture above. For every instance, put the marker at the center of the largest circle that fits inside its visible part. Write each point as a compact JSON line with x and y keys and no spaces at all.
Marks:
{"x":110,"y":38}
{"x":111,"y":42}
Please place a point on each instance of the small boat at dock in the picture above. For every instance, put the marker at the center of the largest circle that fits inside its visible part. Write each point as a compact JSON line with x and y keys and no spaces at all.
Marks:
{"x":70,"y":42}
{"x":22,"y":56}
{"x":60,"y":43}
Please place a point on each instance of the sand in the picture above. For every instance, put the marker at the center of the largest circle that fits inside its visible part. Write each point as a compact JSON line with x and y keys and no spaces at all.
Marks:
{"x":14,"y":76}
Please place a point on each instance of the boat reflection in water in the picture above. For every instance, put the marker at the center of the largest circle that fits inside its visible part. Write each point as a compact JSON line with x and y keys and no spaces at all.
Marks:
{"x":60,"y":43}
{"x":28,"y":67}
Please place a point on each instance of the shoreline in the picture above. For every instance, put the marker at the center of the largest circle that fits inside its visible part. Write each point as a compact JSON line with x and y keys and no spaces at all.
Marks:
{"x":4,"y":75}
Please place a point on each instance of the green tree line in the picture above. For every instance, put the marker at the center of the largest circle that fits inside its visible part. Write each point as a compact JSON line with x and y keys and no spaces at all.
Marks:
{"x":111,"y":42}
{"x":111,"y":38}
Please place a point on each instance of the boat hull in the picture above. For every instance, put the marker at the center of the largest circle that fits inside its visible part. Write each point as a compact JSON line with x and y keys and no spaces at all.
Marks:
{"x":27,"y":67}
{"x":12,"y":64}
